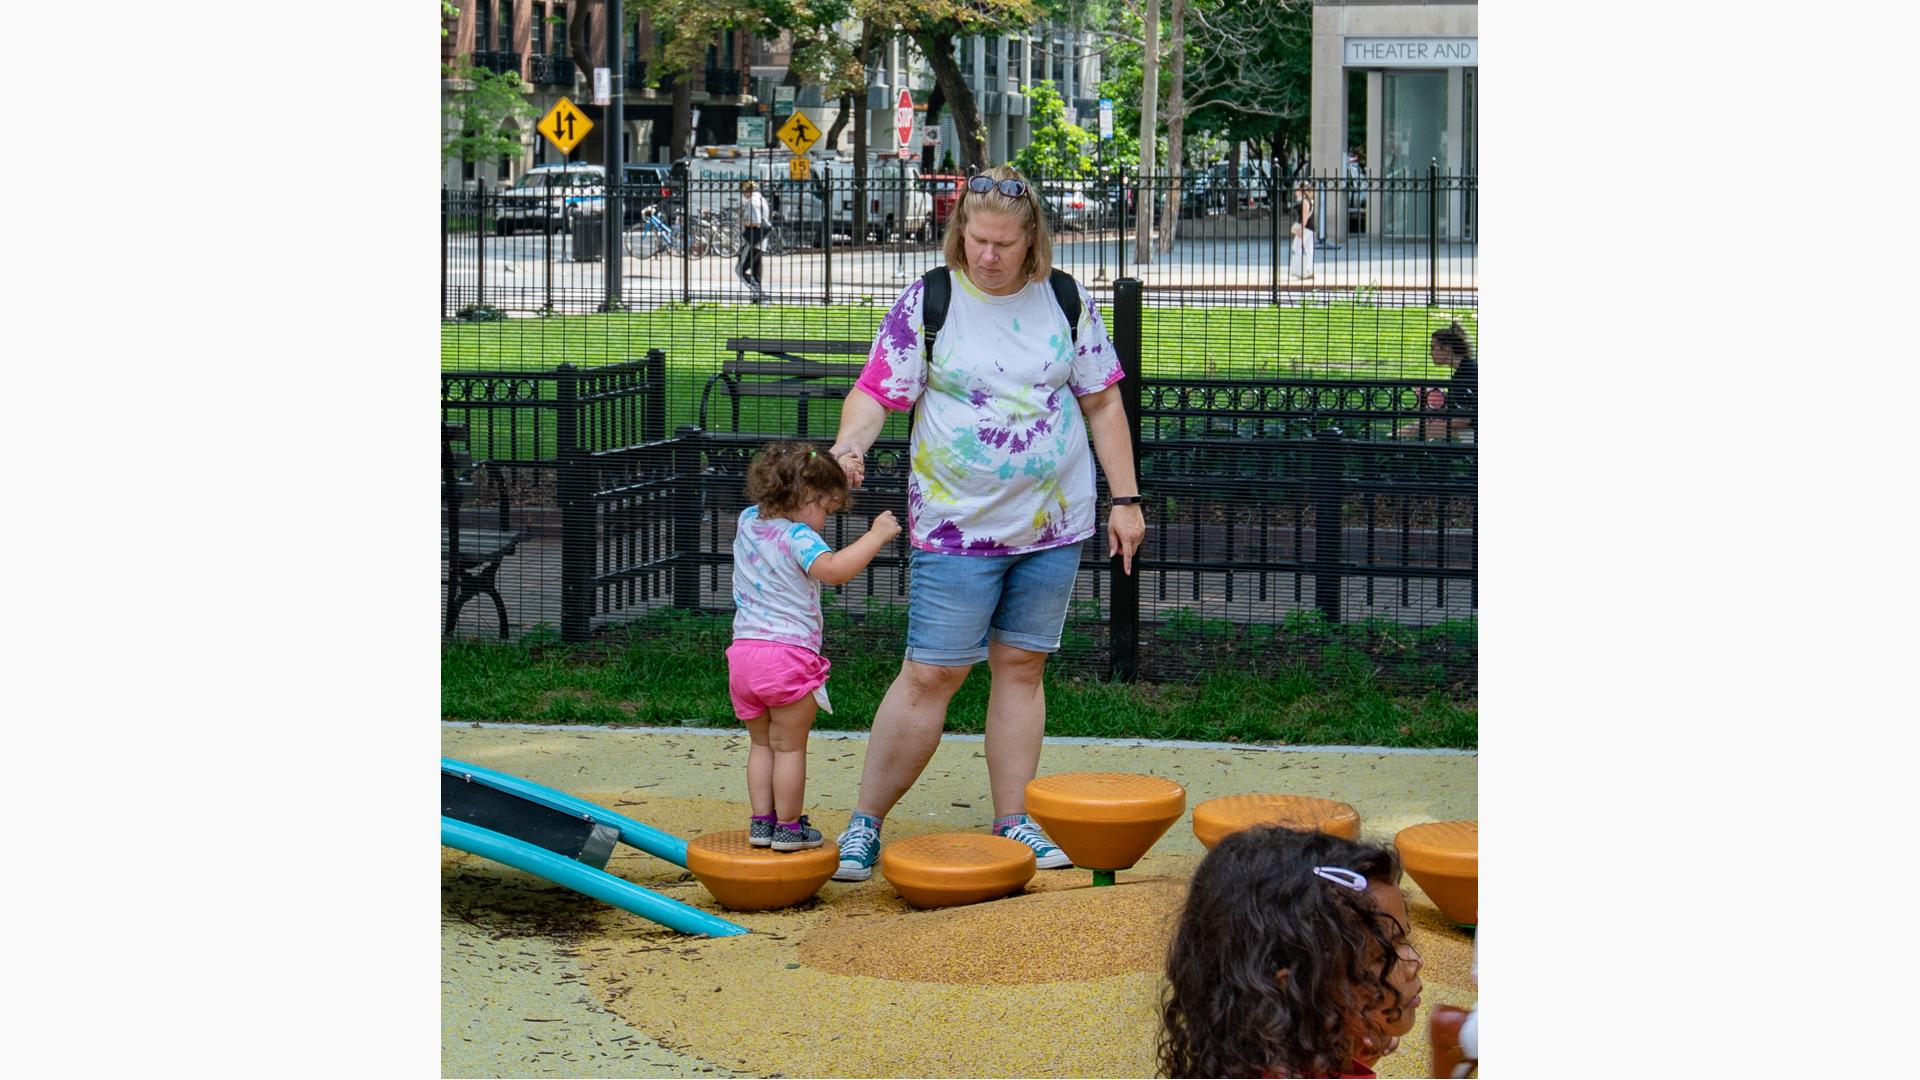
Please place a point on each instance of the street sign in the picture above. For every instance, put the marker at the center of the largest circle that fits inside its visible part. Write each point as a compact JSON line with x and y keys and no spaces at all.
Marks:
{"x":1106,"y":118}
{"x":783,"y":99}
{"x":903,"y":119}
{"x":750,"y":131}
{"x":799,"y":168}
{"x":906,"y":153}
{"x":798,"y":132}
{"x":564,"y":126}
{"x":603,"y":86}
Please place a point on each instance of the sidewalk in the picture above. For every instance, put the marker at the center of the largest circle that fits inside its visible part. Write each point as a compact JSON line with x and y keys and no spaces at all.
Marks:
{"x":539,"y":981}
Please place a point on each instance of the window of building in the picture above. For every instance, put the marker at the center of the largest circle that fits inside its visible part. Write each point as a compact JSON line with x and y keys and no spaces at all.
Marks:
{"x":504,"y":28}
{"x":482,"y":25}
{"x":560,"y":30}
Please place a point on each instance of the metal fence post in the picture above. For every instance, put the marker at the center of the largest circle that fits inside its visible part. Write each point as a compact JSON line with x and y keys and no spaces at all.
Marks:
{"x":686,"y":517}
{"x":1433,"y":229}
{"x":480,"y":243}
{"x":686,"y":241}
{"x":653,"y":417}
{"x":576,"y":509}
{"x":826,"y":239}
{"x":446,"y":204}
{"x":1123,"y":599}
{"x":1328,"y":538}
{"x":1273,"y":228}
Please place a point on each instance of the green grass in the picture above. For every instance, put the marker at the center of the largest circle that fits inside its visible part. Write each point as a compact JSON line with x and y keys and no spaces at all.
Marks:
{"x":1304,"y":682}
{"x":1332,"y":341}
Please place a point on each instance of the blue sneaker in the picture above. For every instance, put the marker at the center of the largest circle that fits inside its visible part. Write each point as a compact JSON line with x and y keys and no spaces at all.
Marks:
{"x":1045,"y":855}
{"x":760,"y":831}
{"x":859,"y":849}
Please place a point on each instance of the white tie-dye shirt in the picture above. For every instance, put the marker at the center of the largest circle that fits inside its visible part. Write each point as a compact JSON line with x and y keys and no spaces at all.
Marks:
{"x":1001,"y":462}
{"x":773,"y":598}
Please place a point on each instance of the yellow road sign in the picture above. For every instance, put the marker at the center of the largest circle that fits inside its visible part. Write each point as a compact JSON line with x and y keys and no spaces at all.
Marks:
{"x":798,"y":132}
{"x":799,"y":168}
{"x":564,"y":126}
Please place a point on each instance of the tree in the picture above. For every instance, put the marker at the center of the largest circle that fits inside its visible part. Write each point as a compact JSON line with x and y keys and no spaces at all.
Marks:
{"x":485,"y":106}
{"x":1059,"y":150}
{"x":932,"y":25}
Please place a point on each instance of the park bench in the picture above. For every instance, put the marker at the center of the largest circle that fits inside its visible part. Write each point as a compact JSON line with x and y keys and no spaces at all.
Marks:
{"x":783,"y":368}
{"x":472,"y":555}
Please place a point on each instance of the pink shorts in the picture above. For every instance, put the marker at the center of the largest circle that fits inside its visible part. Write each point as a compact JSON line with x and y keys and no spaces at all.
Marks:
{"x":763,"y":675}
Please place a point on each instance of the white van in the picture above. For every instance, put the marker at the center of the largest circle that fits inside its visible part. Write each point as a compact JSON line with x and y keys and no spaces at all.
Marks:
{"x":891,"y":209}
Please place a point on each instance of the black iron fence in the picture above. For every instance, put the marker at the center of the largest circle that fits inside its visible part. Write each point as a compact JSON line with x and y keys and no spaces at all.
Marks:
{"x":1269,"y":498}
{"x":1189,"y":238}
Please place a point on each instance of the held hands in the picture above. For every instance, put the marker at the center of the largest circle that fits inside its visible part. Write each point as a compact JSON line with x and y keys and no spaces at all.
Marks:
{"x":884,"y":526}
{"x":1126,"y":527}
{"x":854,"y":464}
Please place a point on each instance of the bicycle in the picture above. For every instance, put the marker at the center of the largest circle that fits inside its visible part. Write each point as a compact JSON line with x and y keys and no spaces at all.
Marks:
{"x":654,"y":233}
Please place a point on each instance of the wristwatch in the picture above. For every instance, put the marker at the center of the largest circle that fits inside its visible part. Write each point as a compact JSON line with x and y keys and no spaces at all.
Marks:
{"x":1124,"y":500}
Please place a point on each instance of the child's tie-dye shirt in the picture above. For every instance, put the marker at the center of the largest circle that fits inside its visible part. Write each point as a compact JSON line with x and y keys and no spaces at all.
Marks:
{"x":773,"y":598}
{"x":1001,"y":462}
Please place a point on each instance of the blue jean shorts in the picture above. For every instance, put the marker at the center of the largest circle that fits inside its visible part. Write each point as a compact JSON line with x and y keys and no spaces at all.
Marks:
{"x":955,"y":602}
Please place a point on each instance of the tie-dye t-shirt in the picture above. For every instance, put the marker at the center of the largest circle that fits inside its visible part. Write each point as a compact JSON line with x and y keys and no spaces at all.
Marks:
{"x":773,"y":598}
{"x":1001,"y":462}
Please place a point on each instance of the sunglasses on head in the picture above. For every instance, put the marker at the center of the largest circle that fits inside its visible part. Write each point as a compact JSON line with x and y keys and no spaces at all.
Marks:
{"x":1010,"y":187}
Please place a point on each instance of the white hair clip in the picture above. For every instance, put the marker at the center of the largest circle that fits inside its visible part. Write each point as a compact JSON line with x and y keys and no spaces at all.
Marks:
{"x":1340,"y":875}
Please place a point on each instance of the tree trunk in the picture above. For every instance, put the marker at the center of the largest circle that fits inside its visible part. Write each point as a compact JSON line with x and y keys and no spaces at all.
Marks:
{"x":1176,"y":126}
{"x":682,"y":115}
{"x":968,"y":131}
{"x":832,"y":141}
{"x":1149,"y":127}
{"x":858,"y":193}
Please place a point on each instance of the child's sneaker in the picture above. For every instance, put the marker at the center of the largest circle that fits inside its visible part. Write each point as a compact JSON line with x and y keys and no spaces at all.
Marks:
{"x":1045,"y":855}
{"x":859,"y":849}
{"x":795,"y":835}
{"x":760,"y":831}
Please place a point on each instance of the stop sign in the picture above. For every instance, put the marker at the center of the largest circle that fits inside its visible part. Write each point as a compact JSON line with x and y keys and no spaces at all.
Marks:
{"x":903,"y":117}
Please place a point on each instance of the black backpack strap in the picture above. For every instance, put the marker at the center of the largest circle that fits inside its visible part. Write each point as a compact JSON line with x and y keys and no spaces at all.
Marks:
{"x":937,"y":286}
{"x":1067,"y":293}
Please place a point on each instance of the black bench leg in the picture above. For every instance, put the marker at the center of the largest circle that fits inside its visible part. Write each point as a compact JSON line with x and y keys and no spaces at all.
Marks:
{"x":456,"y":595}
{"x":500,"y":606}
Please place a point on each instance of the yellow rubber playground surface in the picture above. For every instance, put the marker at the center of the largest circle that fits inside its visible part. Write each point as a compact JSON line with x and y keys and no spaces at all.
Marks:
{"x":1061,"y":980}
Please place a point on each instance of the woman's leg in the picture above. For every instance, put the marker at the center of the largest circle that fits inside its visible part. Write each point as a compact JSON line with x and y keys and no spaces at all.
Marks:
{"x":1016,"y":720}
{"x":788,"y":735}
{"x":1306,"y":252}
{"x":906,"y":732}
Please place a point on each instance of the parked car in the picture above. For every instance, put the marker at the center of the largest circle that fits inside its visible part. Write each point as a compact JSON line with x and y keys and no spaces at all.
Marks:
{"x":1069,"y":207}
{"x":547,"y":196}
{"x":945,"y":188}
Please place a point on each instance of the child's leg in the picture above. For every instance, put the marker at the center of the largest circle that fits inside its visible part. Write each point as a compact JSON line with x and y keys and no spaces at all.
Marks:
{"x":787,"y":735}
{"x":759,"y":766}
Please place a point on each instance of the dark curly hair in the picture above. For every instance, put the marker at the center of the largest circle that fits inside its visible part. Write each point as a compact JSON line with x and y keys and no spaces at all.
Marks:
{"x":785,"y":476}
{"x":1255,"y":909}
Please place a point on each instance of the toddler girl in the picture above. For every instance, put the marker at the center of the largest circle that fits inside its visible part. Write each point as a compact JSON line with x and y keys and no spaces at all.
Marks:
{"x":1291,"y":959}
{"x":775,"y":673}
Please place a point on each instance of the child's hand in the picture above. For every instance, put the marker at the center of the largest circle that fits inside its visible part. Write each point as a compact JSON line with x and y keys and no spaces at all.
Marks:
{"x":884,"y":526}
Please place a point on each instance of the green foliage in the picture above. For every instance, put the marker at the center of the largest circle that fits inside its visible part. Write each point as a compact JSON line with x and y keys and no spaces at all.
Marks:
{"x":485,"y":110}
{"x":1059,"y":150}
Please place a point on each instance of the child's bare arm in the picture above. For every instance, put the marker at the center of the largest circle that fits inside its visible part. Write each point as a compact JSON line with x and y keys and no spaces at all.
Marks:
{"x":840,"y":567}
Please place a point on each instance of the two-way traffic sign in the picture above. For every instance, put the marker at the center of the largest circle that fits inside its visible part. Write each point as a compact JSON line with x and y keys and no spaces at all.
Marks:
{"x":564,"y":126}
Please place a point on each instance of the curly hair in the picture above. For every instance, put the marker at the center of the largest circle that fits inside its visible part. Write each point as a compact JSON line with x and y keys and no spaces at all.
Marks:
{"x":1453,"y":338}
{"x":785,"y":476}
{"x":1256,"y":909}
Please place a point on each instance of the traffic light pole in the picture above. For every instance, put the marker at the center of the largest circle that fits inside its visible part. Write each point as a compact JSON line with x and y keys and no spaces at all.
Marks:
{"x":614,"y":155}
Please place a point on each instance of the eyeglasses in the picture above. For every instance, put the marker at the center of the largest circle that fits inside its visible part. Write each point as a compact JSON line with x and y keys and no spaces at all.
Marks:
{"x":1010,"y":187}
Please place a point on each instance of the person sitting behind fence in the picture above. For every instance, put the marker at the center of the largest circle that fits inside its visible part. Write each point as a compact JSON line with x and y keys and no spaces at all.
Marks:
{"x":1290,"y":959}
{"x":776,"y":674}
{"x":1458,"y":404}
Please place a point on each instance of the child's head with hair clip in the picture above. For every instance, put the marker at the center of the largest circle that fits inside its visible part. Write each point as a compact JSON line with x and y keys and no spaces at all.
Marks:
{"x":1291,"y":959}
{"x":791,"y":478}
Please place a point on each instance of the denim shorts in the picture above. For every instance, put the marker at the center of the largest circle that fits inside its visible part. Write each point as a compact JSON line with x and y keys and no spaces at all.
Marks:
{"x":955,"y":602}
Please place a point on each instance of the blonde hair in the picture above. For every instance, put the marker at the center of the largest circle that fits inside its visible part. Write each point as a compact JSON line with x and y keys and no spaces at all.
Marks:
{"x":1025,"y":210}
{"x":748,"y":185}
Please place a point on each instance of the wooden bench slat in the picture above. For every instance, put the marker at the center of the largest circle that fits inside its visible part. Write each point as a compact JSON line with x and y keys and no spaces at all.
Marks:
{"x":483,"y":545}
{"x":798,"y":369}
{"x":799,"y":345}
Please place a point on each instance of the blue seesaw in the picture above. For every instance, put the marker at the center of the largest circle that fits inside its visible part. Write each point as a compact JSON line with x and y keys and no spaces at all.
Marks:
{"x":568,"y":841}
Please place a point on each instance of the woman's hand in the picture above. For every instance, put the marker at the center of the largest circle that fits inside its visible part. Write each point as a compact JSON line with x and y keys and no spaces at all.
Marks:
{"x":1126,"y":527}
{"x":852,"y":462}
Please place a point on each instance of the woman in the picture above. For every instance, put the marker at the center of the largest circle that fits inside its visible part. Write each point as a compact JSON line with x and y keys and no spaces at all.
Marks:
{"x":1303,"y":232}
{"x":755,"y":217}
{"x":1000,"y":497}
{"x":1459,"y":403}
